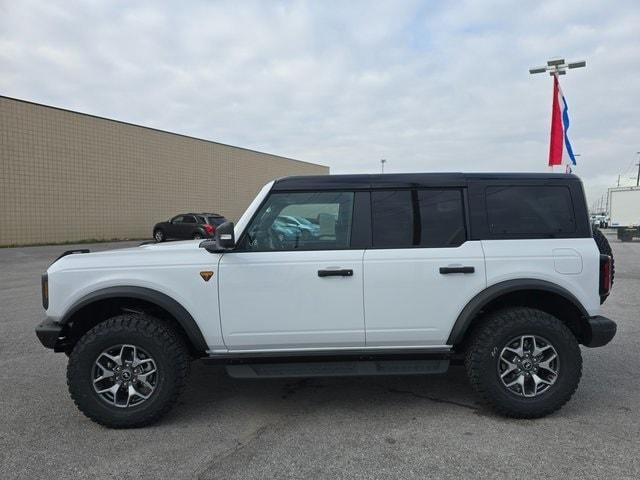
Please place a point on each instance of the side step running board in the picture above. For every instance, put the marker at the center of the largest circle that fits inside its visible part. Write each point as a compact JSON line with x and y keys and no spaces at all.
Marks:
{"x":338,"y":369}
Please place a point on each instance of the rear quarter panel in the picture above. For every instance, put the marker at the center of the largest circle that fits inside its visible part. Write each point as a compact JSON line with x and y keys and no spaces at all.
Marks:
{"x":571,"y":263}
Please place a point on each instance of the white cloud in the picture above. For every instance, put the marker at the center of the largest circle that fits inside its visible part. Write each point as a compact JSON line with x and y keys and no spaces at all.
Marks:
{"x":429,"y":87}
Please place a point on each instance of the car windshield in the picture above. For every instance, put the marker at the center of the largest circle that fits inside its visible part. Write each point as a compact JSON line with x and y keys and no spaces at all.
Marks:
{"x":216,"y":220}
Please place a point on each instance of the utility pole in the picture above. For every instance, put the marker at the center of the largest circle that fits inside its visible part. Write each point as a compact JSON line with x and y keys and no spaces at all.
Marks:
{"x":618,"y":180}
{"x":638,"y":177}
{"x":382,"y":162}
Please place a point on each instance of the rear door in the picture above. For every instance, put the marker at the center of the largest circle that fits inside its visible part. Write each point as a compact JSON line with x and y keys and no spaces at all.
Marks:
{"x":421,"y":270}
{"x":187,"y":227}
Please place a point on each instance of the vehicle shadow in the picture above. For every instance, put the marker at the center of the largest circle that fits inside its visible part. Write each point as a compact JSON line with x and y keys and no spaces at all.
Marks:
{"x":212,"y":392}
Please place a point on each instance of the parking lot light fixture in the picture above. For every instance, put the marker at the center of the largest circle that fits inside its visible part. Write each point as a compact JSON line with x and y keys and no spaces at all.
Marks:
{"x":558,"y":66}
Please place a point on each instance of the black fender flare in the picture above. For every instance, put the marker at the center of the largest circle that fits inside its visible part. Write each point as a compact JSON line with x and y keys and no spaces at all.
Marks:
{"x":482,"y":299}
{"x":182,"y":316}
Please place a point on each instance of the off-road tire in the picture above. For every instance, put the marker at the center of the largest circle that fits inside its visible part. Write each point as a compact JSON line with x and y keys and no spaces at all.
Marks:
{"x":494,"y":333}
{"x":159,"y":339}
{"x":605,"y":249}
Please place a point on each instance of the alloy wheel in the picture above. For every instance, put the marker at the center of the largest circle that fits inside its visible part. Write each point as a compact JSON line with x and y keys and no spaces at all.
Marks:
{"x":124,"y":376}
{"x":528,"y":365}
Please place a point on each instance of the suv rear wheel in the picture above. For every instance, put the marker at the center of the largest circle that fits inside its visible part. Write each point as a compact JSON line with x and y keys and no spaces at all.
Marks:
{"x":524,"y":363}
{"x":127,"y":371}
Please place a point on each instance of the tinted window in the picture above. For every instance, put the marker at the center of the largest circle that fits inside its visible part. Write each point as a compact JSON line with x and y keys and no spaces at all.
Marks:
{"x":216,"y":220}
{"x":418,"y":218}
{"x":392,"y":215}
{"x":177,"y":219}
{"x":189,"y":219}
{"x":272,"y":228}
{"x":542,"y":210}
{"x":441,"y":218}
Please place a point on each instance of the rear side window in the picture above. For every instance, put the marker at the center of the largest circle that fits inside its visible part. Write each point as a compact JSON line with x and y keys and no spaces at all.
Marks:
{"x":530,"y":210}
{"x":441,"y":218}
{"x":189,"y":219}
{"x":393,"y":220}
{"x":418,"y":218}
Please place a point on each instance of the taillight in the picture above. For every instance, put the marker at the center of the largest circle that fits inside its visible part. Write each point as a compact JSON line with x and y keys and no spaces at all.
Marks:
{"x":605,"y":275}
{"x":209,"y":228}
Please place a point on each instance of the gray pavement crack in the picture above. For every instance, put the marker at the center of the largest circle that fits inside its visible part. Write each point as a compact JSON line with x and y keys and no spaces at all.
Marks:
{"x":239,"y":445}
{"x":432,"y":399}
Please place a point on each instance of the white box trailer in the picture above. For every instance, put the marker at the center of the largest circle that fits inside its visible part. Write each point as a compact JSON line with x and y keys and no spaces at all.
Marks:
{"x":624,"y":211}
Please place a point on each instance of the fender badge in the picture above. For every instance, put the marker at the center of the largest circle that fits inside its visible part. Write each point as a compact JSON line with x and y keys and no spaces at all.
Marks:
{"x":206,"y":275}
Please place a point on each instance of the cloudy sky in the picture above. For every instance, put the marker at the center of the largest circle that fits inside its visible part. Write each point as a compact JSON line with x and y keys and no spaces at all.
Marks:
{"x":430,"y":86}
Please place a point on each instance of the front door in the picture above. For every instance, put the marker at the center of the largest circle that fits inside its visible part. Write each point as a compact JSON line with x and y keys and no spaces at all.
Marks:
{"x":173,"y":230}
{"x":285,"y":288}
{"x":421,"y":270}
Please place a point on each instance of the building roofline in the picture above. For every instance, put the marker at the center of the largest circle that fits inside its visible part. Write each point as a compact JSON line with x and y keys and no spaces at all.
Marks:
{"x":121,"y":122}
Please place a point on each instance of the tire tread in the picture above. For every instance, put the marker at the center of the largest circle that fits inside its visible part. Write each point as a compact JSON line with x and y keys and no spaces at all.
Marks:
{"x":174,"y":348}
{"x":484,"y":340}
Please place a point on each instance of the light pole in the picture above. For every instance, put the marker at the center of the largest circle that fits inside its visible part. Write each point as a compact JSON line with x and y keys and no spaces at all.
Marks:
{"x":638,"y":177}
{"x":382,"y":162}
{"x":558,"y":67}
{"x":558,"y":139}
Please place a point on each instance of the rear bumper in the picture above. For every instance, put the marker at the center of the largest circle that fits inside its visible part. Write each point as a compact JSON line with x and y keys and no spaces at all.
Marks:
{"x":48,"y":333}
{"x":602,"y":330}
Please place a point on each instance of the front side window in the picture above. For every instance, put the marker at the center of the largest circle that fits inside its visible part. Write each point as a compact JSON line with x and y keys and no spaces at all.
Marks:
{"x":428,"y":218}
{"x":177,"y":219}
{"x":301,"y":221}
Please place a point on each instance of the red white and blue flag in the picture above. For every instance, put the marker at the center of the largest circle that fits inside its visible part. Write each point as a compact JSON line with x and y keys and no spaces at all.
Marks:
{"x":559,"y":130}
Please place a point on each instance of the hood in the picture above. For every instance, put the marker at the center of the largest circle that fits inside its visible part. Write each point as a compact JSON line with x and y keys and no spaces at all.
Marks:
{"x":186,"y":252}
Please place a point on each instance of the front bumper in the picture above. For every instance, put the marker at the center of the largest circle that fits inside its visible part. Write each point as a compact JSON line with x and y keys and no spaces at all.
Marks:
{"x":602,"y":330}
{"x":49,"y":333}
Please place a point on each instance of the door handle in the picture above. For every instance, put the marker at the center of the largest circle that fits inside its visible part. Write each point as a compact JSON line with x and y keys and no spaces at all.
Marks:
{"x":446,"y":270}
{"x":345,"y":272}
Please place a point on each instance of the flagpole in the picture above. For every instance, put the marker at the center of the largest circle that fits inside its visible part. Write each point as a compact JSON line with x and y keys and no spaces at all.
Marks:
{"x":558,"y":139}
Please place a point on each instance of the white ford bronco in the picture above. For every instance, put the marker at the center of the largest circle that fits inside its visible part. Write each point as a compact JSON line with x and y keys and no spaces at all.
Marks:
{"x":346,"y":275}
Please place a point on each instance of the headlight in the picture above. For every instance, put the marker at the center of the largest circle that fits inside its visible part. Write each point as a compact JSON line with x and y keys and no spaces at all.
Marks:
{"x":45,"y":291}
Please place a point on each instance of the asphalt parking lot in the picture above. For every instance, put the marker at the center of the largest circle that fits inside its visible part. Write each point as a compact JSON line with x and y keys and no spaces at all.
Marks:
{"x":401,"y":427}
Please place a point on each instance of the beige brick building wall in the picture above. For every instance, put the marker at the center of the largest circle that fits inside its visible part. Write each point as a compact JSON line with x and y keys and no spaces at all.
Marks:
{"x":66,"y":176}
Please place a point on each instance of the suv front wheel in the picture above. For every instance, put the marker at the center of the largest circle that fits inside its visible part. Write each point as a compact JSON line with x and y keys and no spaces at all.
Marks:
{"x":158,"y":236}
{"x":523,"y":362}
{"x":128,"y":370}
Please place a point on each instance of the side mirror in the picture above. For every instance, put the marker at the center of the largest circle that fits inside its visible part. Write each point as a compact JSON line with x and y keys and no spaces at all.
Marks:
{"x":224,"y":239}
{"x":225,"y":236}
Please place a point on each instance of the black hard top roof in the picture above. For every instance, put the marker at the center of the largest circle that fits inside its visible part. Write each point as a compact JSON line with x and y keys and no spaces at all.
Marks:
{"x":408,"y":180}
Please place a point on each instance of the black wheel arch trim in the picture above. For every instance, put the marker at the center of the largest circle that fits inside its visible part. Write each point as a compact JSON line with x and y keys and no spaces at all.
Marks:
{"x":162,"y":300}
{"x":482,"y":299}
